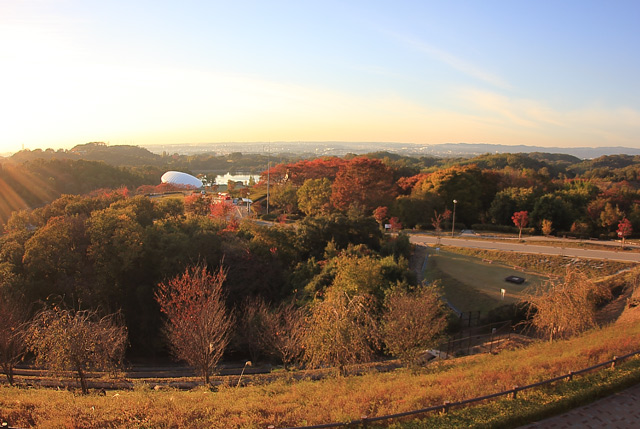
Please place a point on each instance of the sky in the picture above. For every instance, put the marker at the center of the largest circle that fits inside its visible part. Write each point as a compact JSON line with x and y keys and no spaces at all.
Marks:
{"x":547,"y":73}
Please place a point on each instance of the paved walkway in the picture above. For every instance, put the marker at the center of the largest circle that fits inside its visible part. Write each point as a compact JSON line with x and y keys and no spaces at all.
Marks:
{"x":620,"y":410}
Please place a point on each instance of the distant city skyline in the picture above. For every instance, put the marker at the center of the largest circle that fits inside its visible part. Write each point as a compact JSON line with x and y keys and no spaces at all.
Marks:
{"x":544,"y":73}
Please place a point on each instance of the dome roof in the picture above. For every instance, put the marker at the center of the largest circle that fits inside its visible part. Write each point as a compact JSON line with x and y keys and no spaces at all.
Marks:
{"x":179,"y":178}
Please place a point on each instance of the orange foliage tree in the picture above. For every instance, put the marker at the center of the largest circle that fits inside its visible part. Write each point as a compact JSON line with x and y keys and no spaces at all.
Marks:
{"x":365,"y":182}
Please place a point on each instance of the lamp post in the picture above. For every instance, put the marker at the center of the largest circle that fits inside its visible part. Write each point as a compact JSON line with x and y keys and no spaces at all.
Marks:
{"x":453,"y":223}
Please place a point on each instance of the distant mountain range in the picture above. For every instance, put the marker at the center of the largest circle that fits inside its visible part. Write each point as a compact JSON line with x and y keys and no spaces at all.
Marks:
{"x":343,"y":148}
{"x":138,"y":155}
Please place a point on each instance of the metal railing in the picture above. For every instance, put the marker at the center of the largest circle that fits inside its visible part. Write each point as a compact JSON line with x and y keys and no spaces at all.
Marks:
{"x":444,"y":408}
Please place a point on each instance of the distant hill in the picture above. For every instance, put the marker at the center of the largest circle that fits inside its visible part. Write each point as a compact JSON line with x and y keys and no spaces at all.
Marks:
{"x":157,"y":155}
{"x":342,"y":148}
{"x":119,"y":155}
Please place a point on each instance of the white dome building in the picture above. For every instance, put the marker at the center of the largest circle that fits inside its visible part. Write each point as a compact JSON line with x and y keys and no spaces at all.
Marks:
{"x":181,"y":179}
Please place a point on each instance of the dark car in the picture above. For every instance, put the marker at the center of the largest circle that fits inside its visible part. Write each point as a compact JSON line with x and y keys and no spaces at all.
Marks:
{"x":514,"y":279}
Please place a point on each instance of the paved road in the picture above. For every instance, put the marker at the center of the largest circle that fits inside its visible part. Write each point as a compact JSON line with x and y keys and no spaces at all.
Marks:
{"x":504,"y":245}
{"x":620,"y":410}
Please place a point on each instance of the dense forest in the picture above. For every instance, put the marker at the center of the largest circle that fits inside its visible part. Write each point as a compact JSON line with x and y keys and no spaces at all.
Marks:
{"x":83,"y":233}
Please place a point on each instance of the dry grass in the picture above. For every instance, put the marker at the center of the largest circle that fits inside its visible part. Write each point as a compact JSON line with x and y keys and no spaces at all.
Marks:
{"x":286,"y":402}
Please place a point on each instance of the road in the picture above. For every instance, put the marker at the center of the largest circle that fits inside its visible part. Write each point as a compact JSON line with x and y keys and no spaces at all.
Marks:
{"x":520,"y":247}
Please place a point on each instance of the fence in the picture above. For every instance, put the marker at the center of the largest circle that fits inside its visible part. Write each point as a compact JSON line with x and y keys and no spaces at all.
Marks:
{"x":444,"y":408}
{"x":476,"y":339}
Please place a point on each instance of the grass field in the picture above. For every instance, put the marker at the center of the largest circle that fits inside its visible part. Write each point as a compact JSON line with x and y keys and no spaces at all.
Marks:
{"x":471,"y":284}
{"x":286,"y":402}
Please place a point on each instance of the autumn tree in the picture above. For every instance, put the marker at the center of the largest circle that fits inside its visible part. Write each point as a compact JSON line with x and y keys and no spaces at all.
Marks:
{"x":547,"y":227}
{"x":197,"y":204}
{"x":381,"y":214}
{"x":436,"y":221}
{"x":395,"y":223}
{"x":80,"y":341}
{"x":284,"y":333}
{"x":466,"y":184}
{"x":520,"y":220}
{"x":413,"y":321}
{"x":198,"y":324}
{"x":624,"y":229}
{"x":341,"y":330}
{"x":363,"y":182}
{"x":565,"y":307}
{"x":610,"y":216}
{"x":221,"y":209}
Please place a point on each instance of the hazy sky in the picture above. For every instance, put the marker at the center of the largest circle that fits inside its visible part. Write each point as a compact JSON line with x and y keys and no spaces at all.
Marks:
{"x":549,"y":73}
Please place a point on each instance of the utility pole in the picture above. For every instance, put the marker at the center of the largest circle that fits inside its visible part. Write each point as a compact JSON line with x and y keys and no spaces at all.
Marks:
{"x":268,"y":173}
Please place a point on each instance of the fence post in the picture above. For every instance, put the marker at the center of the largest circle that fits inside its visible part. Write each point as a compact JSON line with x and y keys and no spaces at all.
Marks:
{"x":515,"y":392}
{"x":445,"y":407}
{"x":570,"y":375}
{"x":363,"y":419}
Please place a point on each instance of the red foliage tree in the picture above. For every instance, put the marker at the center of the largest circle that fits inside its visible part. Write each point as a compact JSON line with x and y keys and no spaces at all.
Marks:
{"x":365,"y":182}
{"x":624,"y":229}
{"x":221,"y":209}
{"x":197,"y":204}
{"x":520,"y":219}
{"x":395,"y":223}
{"x":381,"y":214}
{"x":300,"y":171}
{"x":198,"y":324}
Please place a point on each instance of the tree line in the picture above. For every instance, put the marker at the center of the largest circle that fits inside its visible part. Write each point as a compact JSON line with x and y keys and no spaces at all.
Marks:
{"x":111,"y":253}
{"x":559,"y":198}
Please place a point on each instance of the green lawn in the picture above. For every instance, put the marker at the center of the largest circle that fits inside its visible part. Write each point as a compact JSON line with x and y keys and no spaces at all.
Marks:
{"x":470,"y":284}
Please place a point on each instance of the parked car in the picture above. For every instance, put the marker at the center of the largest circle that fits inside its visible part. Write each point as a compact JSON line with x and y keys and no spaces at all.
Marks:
{"x":514,"y":279}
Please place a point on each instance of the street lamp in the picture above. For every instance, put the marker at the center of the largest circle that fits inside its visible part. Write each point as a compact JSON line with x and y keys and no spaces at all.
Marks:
{"x":453,"y":224}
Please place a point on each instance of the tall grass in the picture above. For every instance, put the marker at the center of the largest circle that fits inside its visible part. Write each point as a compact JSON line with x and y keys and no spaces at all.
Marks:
{"x":286,"y":402}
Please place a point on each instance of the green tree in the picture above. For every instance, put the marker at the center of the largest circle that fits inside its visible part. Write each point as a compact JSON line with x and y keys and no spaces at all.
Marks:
{"x":54,"y":260}
{"x":285,"y":197}
{"x":610,"y":216}
{"x":555,"y":209}
{"x":314,"y":197}
{"x":507,"y":201}
{"x":116,"y":244}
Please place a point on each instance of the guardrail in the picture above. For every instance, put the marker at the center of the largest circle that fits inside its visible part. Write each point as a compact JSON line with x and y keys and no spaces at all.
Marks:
{"x":444,"y":408}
